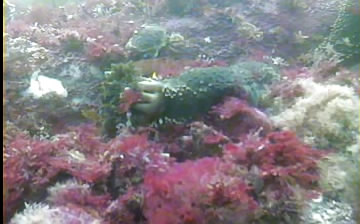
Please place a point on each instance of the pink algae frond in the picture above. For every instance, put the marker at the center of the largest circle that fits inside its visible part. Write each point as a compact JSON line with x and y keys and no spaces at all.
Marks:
{"x":31,"y":165}
{"x":280,"y":156}
{"x":127,"y":99}
{"x":238,"y":118}
{"x":191,"y":189}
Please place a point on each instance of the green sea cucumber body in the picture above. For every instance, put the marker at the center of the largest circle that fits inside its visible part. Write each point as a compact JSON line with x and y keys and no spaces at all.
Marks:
{"x":195,"y":91}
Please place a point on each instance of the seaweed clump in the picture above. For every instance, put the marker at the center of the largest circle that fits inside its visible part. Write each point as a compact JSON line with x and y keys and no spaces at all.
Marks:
{"x":340,"y":179}
{"x":325,"y":116}
{"x":131,"y":179}
{"x":345,"y":35}
{"x":150,"y":40}
{"x":342,"y":44}
{"x":80,"y":156}
{"x":116,"y":96}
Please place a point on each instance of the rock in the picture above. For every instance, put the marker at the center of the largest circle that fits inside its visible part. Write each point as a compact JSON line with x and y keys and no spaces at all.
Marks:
{"x":41,"y":85}
{"x":327,"y":211}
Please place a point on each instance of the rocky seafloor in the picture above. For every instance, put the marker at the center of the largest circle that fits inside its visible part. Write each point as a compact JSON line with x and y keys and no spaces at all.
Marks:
{"x":293,"y":158}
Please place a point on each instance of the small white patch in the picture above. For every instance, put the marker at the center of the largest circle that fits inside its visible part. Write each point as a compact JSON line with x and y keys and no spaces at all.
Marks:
{"x":128,"y":119}
{"x":41,"y":85}
{"x":207,"y":39}
{"x":165,"y":155}
{"x":77,"y":156}
{"x":277,"y":61}
{"x":318,"y":200}
{"x":318,"y":217}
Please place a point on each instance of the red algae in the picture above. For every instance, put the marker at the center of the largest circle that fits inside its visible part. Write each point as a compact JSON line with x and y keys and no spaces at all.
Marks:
{"x":238,"y":118}
{"x":229,"y":167}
